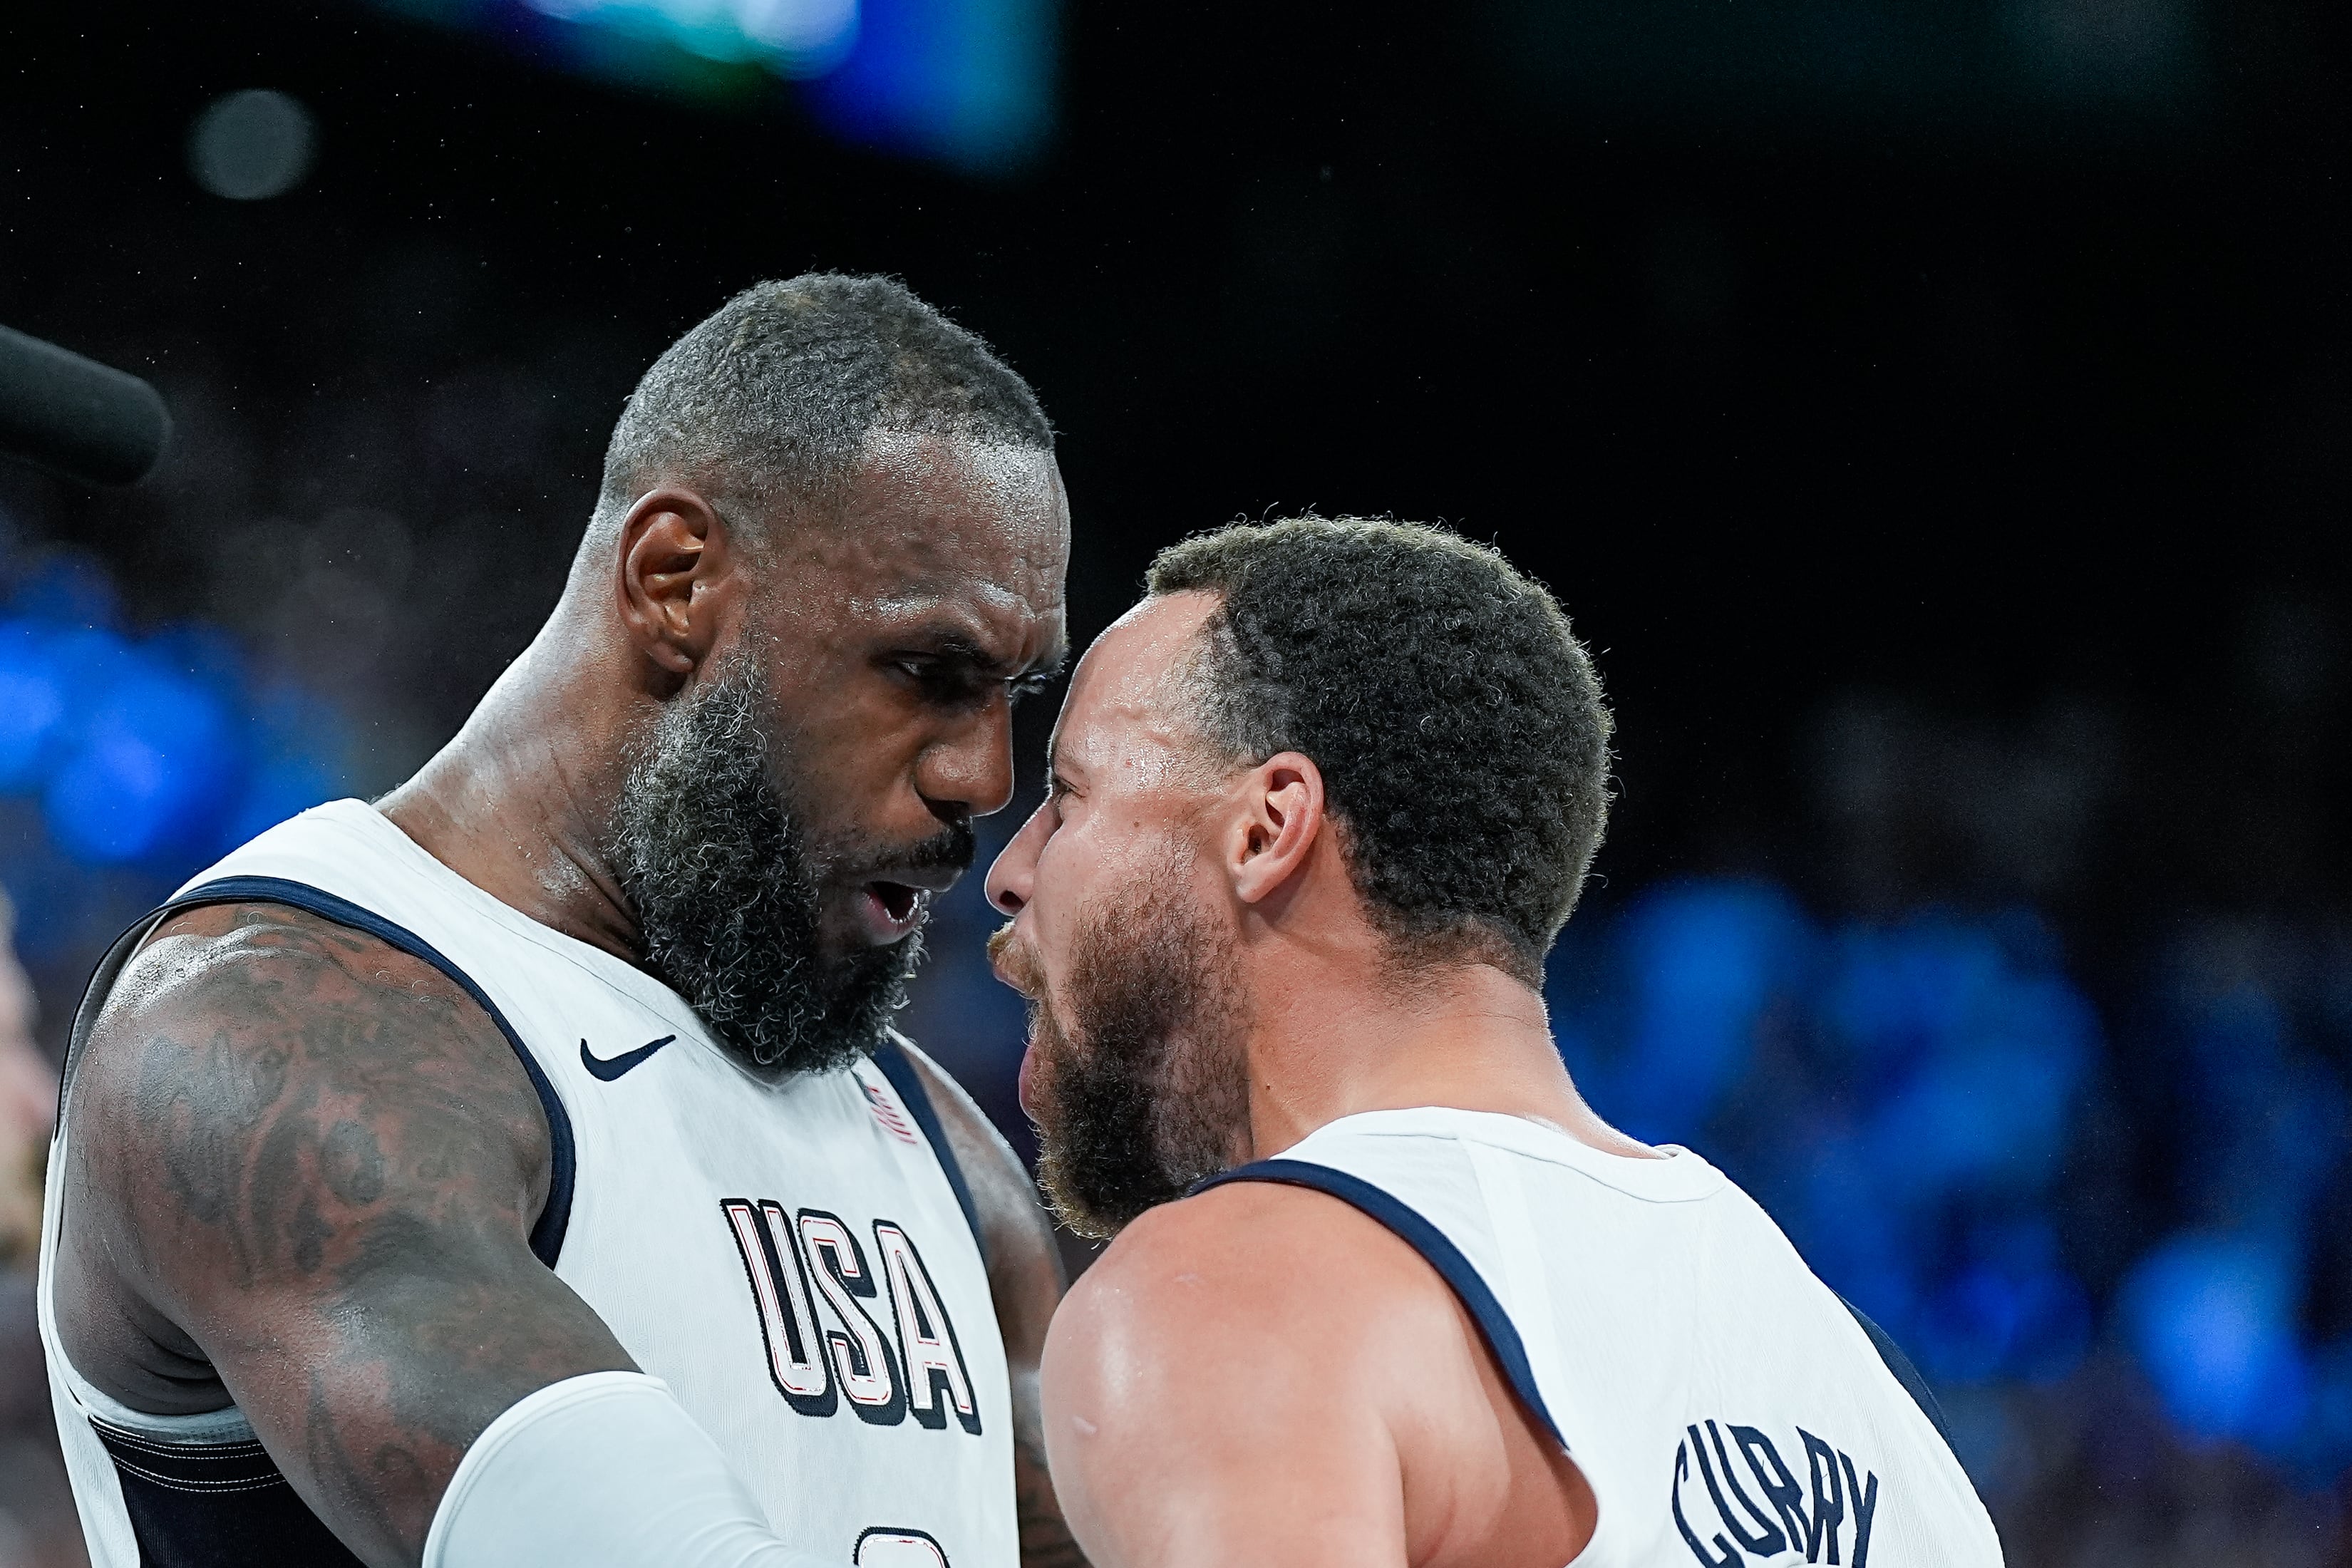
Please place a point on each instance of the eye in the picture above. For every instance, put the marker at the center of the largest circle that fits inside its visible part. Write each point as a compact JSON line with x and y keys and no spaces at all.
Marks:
{"x":938,"y":679}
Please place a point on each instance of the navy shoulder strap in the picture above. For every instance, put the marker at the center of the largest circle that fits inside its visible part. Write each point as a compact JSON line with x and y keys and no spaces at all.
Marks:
{"x":1502,"y":1337}
{"x":1510,"y":1352}
{"x":900,"y":1070}
{"x":1905,"y":1373}
{"x":547,"y":1232}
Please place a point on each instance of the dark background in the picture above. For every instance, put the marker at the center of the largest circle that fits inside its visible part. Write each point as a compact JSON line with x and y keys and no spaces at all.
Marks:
{"x":1989,"y":416}
{"x":1943,"y":445}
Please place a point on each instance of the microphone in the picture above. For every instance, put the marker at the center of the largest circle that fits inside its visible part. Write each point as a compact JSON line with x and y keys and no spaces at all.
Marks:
{"x":74,"y":415}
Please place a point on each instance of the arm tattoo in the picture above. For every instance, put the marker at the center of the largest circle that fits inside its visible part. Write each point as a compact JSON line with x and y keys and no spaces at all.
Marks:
{"x":316,"y":1161}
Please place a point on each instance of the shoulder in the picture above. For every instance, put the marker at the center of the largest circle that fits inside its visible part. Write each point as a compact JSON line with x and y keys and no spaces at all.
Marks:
{"x":1012,"y":1221}
{"x":1245,"y":1281}
{"x":276,"y":985}
{"x":244,"y":1032}
{"x":1240,"y":1375}
{"x":972,"y":1136}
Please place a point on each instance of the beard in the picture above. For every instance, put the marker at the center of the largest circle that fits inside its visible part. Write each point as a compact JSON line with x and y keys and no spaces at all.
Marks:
{"x":726,"y":884}
{"x":1142,"y":1090}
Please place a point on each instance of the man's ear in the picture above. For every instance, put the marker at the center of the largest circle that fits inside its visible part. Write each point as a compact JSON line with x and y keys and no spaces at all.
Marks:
{"x":675,"y":554}
{"x":1282,"y":817}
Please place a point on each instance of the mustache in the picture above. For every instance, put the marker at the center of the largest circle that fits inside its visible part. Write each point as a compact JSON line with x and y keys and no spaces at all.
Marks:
{"x":952,"y":848}
{"x":1015,"y":964}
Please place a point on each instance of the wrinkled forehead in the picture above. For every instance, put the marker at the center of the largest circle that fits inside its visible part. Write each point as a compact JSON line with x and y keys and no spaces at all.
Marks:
{"x":1130,"y":706}
{"x":930,"y":524}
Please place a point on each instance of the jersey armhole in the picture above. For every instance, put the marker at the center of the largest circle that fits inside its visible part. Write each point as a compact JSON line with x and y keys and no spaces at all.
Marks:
{"x":1410,"y":1227}
{"x":547,"y":1231}
{"x":896,"y":1066}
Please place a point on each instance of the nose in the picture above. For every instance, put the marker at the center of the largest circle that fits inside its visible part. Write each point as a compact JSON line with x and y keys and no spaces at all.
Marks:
{"x":1013,"y":879}
{"x":970,"y":772}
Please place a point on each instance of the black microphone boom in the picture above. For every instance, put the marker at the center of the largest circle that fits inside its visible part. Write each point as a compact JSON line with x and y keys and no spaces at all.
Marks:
{"x":83,"y":419}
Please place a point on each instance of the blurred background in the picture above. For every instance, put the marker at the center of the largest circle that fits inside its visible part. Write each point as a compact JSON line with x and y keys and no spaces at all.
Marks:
{"x":1937,"y":414}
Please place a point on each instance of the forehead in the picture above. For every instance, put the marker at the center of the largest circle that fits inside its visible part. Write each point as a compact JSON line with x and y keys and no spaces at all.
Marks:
{"x":1123,"y":704}
{"x":930,"y":524}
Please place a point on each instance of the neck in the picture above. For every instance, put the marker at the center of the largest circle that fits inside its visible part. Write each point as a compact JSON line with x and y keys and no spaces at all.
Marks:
{"x":1467,"y":1037}
{"x":517,"y":801}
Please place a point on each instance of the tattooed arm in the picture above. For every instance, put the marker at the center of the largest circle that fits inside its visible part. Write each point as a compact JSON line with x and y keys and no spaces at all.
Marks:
{"x":1025,"y":1277}
{"x":302,"y":1169}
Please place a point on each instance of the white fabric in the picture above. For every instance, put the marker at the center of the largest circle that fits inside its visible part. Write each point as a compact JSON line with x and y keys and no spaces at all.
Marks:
{"x":772,"y":1253}
{"x":96,"y":1490}
{"x":600,"y":1471}
{"x":1655,"y":1300}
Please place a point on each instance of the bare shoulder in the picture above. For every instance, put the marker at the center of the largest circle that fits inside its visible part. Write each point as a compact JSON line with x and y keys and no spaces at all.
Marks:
{"x":1244,"y":1285}
{"x":979,"y":1148}
{"x":1231,"y":1379}
{"x":1013,"y":1222}
{"x":259,"y":1074}
{"x":1258,"y":1251}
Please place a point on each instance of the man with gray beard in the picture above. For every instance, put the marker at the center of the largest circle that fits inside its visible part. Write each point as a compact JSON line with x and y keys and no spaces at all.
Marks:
{"x":522,"y":1169}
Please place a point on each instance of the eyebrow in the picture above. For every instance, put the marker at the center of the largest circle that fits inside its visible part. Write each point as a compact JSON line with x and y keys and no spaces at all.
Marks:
{"x":949,"y":642}
{"x":1048,"y":668}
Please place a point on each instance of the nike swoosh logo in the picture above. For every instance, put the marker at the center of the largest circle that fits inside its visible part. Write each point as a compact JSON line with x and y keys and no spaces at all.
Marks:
{"x":609,"y":1067}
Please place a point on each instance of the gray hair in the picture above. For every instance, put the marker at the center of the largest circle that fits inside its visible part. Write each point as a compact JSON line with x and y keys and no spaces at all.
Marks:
{"x":768,"y":403}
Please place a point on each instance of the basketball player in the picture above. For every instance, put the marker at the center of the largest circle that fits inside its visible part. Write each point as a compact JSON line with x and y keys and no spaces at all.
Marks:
{"x":1384,"y":1290}
{"x":520,"y":1170}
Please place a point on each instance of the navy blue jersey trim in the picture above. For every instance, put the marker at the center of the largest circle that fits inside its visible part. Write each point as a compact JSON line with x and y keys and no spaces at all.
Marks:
{"x":547,"y":1232}
{"x":1905,"y":1373}
{"x":1502,"y":1338}
{"x":197,"y":1505}
{"x":896,"y":1066}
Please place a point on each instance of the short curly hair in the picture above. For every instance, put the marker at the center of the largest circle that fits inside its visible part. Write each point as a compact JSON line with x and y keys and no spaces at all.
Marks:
{"x":1457,"y":722}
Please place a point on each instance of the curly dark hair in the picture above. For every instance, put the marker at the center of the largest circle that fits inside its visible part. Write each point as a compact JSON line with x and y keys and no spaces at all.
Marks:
{"x":1457,"y":722}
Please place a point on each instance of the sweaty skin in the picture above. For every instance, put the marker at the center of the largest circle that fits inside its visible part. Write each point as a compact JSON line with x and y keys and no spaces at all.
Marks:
{"x":304,"y":1165}
{"x":1261,"y":1373}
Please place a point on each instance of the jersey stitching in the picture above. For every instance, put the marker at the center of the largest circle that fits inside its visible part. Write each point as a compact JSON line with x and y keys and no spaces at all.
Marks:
{"x":193,"y":1452}
{"x":164,"y":1447}
{"x":177,"y":1484}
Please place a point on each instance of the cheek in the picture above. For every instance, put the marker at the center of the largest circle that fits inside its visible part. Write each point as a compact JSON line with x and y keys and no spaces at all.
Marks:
{"x":1057,"y":893}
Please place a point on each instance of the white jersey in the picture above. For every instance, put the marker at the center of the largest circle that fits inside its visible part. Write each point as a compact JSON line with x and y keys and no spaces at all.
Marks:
{"x":1726,"y":1406}
{"x":797,"y":1261}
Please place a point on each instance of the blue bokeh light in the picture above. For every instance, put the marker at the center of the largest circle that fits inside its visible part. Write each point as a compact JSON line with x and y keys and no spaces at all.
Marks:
{"x":969,"y":83}
{"x":127,"y":761}
{"x":1906,"y":1095}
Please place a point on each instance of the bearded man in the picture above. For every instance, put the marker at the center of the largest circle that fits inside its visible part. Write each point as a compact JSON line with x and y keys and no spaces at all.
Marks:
{"x":1385,"y":1290}
{"x":520,"y":1169}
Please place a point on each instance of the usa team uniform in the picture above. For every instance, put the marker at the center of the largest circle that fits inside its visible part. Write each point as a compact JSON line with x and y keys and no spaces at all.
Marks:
{"x":1727,"y":1407}
{"x":797,"y":1261}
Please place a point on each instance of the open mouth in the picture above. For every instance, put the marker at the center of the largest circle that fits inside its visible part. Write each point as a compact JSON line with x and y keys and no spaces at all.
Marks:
{"x":888,"y":911}
{"x":898,"y":900}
